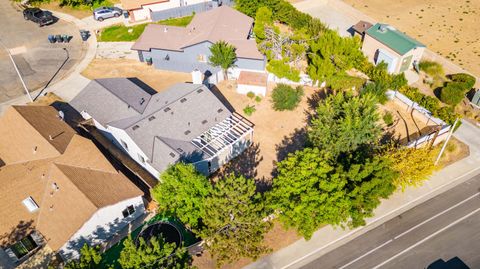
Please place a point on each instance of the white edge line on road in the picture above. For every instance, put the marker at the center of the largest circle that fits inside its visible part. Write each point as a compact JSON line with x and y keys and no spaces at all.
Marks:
{"x":437,"y":215}
{"x":427,"y":238}
{"x":366,"y":254}
{"x":409,"y":230}
{"x":377,"y":219}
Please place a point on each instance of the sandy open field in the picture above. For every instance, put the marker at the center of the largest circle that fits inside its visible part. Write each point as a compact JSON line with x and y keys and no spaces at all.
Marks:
{"x":447,"y":27}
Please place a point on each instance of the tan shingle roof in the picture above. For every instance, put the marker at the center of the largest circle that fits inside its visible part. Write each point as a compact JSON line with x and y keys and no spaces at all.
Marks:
{"x":86,"y":181}
{"x":222,"y":23}
{"x":252,"y":78}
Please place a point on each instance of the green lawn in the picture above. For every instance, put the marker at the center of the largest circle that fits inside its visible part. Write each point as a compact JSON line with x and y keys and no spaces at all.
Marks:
{"x":110,"y":257}
{"x":117,"y":33}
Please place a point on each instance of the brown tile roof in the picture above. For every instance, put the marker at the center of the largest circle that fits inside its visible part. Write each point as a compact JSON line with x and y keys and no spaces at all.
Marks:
{"x":361,"y":27}
{"x":252,"y":78}
{"x":86,"y":181}
{"x":222,"y":23}
{"x":136,"y":4}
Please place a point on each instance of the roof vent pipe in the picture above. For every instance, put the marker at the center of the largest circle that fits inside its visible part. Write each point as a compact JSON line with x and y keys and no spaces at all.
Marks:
{"x":165,"y":29}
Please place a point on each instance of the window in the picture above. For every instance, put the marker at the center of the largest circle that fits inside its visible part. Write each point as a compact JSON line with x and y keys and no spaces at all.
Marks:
{"x":30,"y":204}
{"x":124,"y":145}
{"x":202,"y":58}
{"x":128,"y":211}
{"x":24,"y":246}
{"x":140,"y":157}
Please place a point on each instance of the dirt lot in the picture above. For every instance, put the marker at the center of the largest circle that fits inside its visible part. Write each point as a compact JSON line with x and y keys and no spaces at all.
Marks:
{"x":157,"y":79}
{"x":407,"y":126}
{"x":445,"y":26}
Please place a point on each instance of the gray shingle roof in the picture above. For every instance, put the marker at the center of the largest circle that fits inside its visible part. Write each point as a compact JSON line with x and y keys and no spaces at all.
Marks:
{"x":168,"y":122}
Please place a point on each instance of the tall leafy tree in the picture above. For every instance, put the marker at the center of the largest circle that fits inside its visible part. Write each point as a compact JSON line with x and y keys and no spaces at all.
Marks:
{"x":413,"y":165}
{"x":345,"y":122}
{"x":223,"y":56}
{"x":309,"y":192}
{"x":234,"y":225}
{"x":89,"y":258}
{"x":153,"y":254}
{"x":182,"y":191}
{"x":262,"y":18}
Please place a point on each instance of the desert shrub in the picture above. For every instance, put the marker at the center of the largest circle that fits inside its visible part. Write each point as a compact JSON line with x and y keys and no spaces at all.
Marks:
{"x":285,"y":97}
{"x":251,"y":95}
{"x":388,"y":118}
{"x":282,"y":69}
{"x":248,"y":110}
{"x":447,"y":114}
{"x":466,"y":80}
{"x":453,"y":93}
{"x":432,"y":68}
{"x":430,"y":103}
{"x":258,"y":99}
{"x":376,"y":89}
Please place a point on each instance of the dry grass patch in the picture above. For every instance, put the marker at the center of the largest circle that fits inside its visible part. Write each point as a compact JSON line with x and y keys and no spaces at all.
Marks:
{"x":455,"y":151}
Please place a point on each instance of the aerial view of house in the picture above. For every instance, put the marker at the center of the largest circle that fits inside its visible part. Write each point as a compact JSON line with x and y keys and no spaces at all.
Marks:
{"x":384,"y":43}
{"x":186,"y":49}
{"x":185,"y":122}
{"x":58,"y":189}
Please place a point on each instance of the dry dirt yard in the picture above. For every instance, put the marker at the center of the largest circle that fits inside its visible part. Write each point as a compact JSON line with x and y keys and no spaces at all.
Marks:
{"x":111,"y":68}
{"x":447,"y":27}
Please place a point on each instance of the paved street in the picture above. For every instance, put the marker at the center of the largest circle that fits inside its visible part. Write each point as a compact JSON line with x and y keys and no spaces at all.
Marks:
{"x":444,"y":227}
{"x":37,"y":60}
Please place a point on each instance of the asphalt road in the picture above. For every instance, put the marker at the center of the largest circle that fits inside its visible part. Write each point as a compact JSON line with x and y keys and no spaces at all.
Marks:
{"x":39,"y":61}
{"x":441,"y":233}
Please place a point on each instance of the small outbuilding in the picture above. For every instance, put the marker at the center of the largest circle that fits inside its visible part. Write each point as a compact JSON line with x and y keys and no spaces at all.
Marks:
{"x":255,"y":82}
{"x":384,"y":43}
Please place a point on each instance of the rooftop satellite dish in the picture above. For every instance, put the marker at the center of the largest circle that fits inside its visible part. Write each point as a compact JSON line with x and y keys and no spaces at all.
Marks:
{"x":61,"y":115}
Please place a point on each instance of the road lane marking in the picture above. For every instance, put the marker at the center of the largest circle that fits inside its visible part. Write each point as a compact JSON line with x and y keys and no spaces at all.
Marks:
{"x":18,"y":50}
{"x":409,"y":230}
{"x":427,"y":238}
{"x":380,"y":218}
{"x":437,"y":215}
{"x":366,"y":254}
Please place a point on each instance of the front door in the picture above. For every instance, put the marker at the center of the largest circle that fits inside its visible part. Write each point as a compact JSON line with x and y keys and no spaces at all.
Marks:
{"x":406,"y":62}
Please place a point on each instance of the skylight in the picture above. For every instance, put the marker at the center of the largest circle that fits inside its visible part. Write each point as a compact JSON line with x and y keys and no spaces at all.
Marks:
{"x":30,"y":204}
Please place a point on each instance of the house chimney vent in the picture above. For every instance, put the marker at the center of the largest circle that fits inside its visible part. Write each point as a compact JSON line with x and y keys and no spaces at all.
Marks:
{"x":61,"y":115}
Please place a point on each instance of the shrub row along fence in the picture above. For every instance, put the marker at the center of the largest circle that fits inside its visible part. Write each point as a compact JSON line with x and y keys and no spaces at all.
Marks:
{"x":438,"y":136}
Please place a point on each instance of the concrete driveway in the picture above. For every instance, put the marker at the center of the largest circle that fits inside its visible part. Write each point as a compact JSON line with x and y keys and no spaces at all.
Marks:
{"x":40,"y":62}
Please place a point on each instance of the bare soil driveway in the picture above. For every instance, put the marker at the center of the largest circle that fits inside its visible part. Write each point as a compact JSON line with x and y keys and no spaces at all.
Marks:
{"x":39,"y":62}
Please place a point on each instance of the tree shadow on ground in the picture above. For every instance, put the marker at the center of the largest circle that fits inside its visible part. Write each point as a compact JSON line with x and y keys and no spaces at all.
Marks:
{"x":313,"y":101}
{"x":453,"y":263}
{"x":244,"y":164}
{"x":21,"y":230}
{"x":291,"y":143}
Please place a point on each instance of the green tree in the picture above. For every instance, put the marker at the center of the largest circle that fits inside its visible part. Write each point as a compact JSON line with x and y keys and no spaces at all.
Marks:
{"x":153,"y":254}
{"x":344,"y":122}
{"x":413,"y":165}
{"x":376,"y":89}
{"x":223,"y":56}
{"x":182,"y":191}
{"x":308,"y":192}
{"x":234,"y":225}
{"x":89,"y":258}
{"x":285,"y":97}
{"x":263,"y":17}
{"x":333,"y":54}
{"x":453,"y":93}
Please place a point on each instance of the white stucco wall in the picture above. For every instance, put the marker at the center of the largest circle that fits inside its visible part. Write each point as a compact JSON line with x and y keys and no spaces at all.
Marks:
{"x":102,"y":225}
{"x":257,"y":90}
{"x":143,"y":13}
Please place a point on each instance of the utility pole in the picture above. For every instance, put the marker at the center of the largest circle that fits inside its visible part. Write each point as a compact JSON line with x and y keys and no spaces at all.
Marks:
{"x":446,"y":141}
{"x":16,"y":69}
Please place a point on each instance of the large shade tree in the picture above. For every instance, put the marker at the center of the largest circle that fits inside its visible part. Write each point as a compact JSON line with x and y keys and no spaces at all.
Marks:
{"x":182,"y":191}
{"x":156,"y":253}
{"x":89,"y":259}
{"x":223,"y":55}
{"x":234,"y":220}
{"x":344,"y":122}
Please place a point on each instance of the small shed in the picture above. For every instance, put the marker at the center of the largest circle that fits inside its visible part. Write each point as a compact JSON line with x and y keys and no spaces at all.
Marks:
{"x":255,"y":82}
{"x":476,"y":98}
{"x":360,"y":28}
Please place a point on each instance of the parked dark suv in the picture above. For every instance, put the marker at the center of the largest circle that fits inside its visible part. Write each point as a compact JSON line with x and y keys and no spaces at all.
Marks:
{"x":38,"y":16}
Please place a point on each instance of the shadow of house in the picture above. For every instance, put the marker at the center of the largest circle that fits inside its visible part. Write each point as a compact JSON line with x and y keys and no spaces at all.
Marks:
{"x":244,"y":164}
{"x":222,"y":98}
{"x":453,"y":263}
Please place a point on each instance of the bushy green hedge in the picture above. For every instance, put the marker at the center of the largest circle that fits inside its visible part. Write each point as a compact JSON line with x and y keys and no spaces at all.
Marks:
{"x":284,"y":97}
{"x":453,"y":93}
{"x":376,"y":89}
{"x":282,"y":69}
{"x":432,"y":68}
{"x":343,"y":82}
{"x":466,"y":80}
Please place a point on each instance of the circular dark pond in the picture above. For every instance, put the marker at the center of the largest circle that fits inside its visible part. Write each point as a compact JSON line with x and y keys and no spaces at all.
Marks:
{"x":167,"y":231}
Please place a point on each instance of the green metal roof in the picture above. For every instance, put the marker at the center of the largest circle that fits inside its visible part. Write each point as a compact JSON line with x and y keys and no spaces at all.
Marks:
{"x":394,"y":39}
